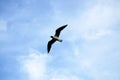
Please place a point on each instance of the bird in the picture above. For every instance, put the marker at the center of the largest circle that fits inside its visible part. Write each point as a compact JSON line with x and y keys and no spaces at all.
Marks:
{"x":55,"y":37}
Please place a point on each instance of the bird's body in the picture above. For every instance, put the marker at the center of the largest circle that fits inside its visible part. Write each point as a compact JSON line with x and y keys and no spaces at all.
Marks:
{"x":55,"y":37}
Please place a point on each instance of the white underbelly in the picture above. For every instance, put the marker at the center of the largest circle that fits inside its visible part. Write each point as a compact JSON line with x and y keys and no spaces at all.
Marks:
{"x":57,"y":38}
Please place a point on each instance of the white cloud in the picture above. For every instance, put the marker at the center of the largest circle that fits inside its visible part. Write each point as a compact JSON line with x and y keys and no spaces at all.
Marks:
{"x":3,"y":25}
{"x":64,"y":77}
{"x":35,"y":65}
{"x":4,"y":36}
{"x":94,"y":35}
{"x":94,"y":23}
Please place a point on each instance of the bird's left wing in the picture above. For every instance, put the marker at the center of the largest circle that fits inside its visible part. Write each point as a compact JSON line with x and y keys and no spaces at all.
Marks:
{"x":50,"y":44}
{"x":57,"y":33}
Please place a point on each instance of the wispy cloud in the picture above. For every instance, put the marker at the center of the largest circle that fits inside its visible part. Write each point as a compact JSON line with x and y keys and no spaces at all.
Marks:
{"x":3,"y":25}
{"x":95,"y":22}
{"x":90,"y":49}
{"x":34,"y":65}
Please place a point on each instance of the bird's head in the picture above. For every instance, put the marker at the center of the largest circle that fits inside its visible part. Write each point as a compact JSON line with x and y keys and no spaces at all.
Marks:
{"x":51,"y":36}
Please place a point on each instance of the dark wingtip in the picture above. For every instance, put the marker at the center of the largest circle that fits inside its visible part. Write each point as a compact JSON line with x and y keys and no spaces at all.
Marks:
{"x":66,"y":25}
{"x":48,"y":51}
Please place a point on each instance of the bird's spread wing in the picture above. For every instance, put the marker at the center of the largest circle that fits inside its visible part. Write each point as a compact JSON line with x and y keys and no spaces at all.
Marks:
{"x":50,"y":44}
{"x":57,"y":33}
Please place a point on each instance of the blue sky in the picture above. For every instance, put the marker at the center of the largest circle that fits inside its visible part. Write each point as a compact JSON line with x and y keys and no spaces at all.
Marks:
{"x":90,"y":49}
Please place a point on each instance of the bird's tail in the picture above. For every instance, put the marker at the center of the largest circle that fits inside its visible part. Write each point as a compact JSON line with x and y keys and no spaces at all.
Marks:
{"x":60,"y":40}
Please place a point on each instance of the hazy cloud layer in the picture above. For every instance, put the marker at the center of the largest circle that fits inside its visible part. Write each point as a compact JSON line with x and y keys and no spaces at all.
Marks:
{"x":90,"y":47}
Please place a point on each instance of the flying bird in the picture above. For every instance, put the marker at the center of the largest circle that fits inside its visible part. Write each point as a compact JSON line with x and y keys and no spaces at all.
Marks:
{"x":55,"y":37}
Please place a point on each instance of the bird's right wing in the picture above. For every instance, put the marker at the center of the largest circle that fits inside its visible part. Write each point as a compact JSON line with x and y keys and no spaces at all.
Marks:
{"x":50,"y":44}
{"x":57,"y":33}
